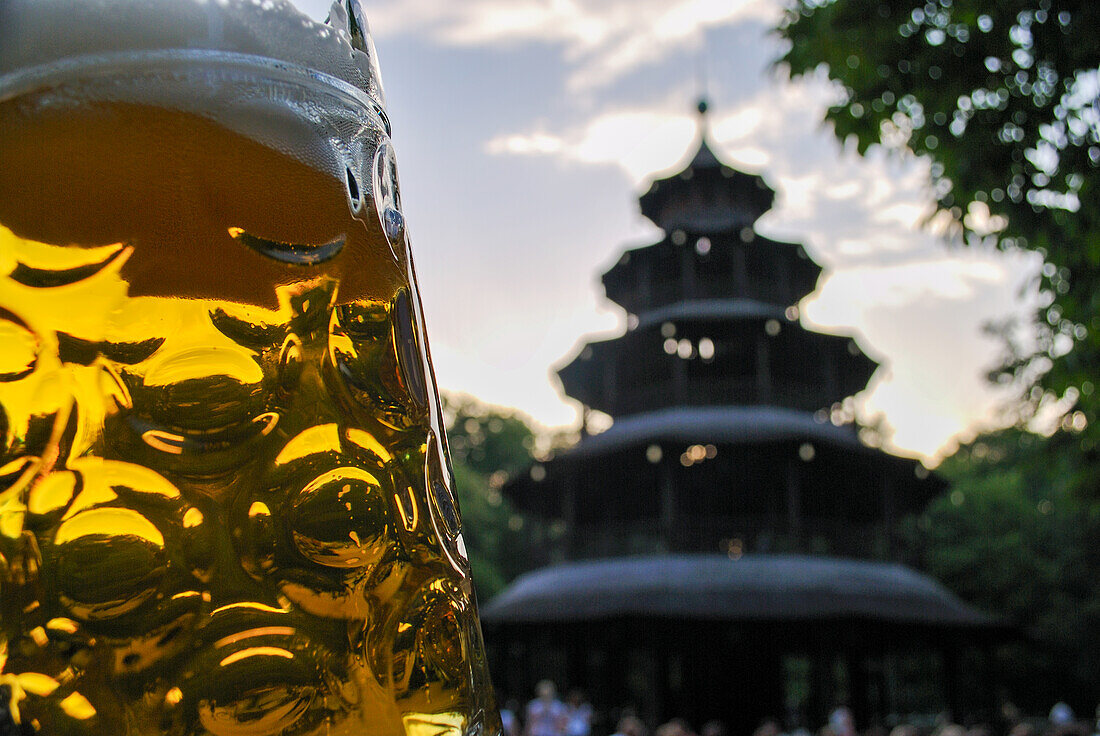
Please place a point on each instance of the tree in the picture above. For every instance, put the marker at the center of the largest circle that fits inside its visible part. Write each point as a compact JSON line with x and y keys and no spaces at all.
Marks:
{"x":1003,"y":98}
{"x":1012,"y":538}
{"x":487,"y":444}
{"x":486,"y":438}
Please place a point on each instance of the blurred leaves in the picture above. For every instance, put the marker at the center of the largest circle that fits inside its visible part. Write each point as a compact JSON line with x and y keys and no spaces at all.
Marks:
{"x":1013,"y":538}
{"x":485,"y":438}
{"x":487,"y":444}
{"x":1002,"y":97}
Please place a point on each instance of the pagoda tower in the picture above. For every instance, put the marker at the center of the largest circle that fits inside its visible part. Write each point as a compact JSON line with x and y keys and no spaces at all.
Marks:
{"x":723,"y":405}
{"x":727,"y":518}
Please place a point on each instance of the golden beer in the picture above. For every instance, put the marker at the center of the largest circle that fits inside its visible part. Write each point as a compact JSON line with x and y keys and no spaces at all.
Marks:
{"x":226,"y":505}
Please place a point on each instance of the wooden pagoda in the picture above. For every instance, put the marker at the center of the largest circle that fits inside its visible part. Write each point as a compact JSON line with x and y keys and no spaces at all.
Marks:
{"x":725,"y":550}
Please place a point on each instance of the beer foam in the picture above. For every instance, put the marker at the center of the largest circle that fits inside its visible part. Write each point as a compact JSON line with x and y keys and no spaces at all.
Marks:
{"x":258,"y":67}
{"x":41,"y":32}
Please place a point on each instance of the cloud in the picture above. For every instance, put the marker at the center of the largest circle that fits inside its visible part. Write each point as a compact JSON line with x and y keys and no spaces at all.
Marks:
{"x":646,"y":139}
{"x":530,"y":144}
{"x":638,"y":140}
{"x":924,"y":318}
{"x":851,"y":211}
{"x":601,"y":40}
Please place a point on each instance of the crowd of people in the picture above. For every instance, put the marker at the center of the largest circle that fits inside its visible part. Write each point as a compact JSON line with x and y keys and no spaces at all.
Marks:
{"x":547,"y":715}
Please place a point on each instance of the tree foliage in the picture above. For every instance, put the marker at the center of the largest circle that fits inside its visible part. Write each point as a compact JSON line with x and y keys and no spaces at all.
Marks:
{"x":487,"y":439}
{"x":1012,"y":538}
{"x":1002,"y":97}
{"x":487,"y":444}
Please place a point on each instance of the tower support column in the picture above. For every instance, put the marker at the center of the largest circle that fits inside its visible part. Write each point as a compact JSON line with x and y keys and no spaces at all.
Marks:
{"x":668,"y":505}
{"x":794,"y":505}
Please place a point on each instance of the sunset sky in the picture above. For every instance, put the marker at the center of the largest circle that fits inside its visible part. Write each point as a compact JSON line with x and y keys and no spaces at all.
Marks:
{"x":525,"y":130}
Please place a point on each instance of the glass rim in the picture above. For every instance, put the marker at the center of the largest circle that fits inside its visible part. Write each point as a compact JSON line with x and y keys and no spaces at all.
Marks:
{"x":181,"y":63}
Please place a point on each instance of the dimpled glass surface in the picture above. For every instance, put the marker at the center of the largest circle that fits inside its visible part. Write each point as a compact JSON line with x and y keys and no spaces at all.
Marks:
{"x":226,"y":505}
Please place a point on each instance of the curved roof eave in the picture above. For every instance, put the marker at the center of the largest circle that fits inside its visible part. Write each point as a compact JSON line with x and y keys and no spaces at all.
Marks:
{"x":741,"y":185}
{"x":847,"y":346}
{"x":711,"y":309}
{"x":729,"y":424}
{"x":714,"y":587}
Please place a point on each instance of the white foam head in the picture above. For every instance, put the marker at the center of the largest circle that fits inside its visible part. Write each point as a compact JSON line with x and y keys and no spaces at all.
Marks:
{"x":259,"y":67}
{"x":40,"y":32}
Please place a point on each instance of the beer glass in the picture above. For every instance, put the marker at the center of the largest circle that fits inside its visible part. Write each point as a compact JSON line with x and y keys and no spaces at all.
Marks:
{"x":226,"y":505}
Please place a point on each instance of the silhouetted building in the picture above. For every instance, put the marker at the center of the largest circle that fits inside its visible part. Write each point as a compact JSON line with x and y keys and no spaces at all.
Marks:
{"x":727,"y":548}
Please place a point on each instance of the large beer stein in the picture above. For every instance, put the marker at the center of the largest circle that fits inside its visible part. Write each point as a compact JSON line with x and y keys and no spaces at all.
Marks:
{"x":226,"y":505}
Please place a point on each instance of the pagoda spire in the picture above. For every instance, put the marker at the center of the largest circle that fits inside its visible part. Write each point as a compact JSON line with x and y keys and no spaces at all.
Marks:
{"x":705,"y":157}
{"x":707,"y":196}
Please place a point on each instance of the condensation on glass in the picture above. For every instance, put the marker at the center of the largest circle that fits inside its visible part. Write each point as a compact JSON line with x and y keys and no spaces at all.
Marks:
{"x":226,"y":505}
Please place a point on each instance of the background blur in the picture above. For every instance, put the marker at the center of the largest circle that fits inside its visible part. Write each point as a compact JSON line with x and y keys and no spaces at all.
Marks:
{"x":525,"y":128}
{"x":950,"y":198}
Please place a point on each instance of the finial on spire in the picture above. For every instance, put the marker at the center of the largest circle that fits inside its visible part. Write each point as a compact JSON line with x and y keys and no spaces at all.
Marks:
{"x":703,"y":124}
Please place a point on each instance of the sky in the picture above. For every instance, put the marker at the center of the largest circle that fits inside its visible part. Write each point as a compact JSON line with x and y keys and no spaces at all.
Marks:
{"x":525,"y":131}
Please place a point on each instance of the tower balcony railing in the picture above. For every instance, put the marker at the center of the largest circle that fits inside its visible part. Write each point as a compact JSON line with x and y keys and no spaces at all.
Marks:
{"x":724,"y":391}
{"x":708,"y":286}
{"x":730,"y":535}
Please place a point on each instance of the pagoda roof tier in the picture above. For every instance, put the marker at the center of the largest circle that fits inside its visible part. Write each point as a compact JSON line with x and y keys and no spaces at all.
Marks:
{"x":731,"y":425}
{"x":707,"y":196}
{"x":691,"y":265}
{"x":753,"y":588}
{"x":716,"y":352}
{"x":840,"y":463}
{"x":689,"y":478}
{"x":711,"y":310}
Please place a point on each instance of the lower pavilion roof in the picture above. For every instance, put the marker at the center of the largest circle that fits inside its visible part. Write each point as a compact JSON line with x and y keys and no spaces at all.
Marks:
{"x":714,"y":587}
